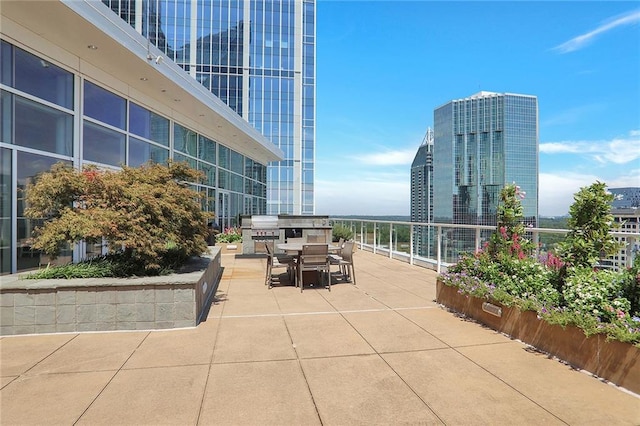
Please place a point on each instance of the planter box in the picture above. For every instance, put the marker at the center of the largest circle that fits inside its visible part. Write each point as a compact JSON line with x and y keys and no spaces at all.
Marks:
{"x":614,"y":361}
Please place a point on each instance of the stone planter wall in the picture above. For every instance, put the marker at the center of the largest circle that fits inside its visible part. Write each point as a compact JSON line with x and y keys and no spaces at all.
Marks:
{"x":100,"y":304}
{"x":614,"y":361}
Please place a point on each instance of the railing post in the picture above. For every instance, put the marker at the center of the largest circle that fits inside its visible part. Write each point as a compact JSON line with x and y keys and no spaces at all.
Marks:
{"x":477,"y":240}
{"x":375,"y":236}
{"x":411,"y":244}
{"x":390,"y":241}
{"x":361,"y":235}
{"x":536,"y":241}
{"x":439,"y":249}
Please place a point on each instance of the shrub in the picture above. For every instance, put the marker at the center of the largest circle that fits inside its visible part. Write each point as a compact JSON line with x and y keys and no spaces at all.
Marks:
{"x":148,"y":213}
{"x":589,"y":224}
{"x":341,"y":231}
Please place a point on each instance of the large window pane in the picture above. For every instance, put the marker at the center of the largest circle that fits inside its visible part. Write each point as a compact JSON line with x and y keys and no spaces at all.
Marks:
{"x":206,"y":149}
{"x":40,"y":78}
{"x":237,"y":162}
{"x":223,"y":157}
{"x":140,"y":152}
{"x":5,"y":213}
{"x":6,"y":63}
{"x":28,"y":169}
{"x":40,"y":127}
{"x":103,"y":145}
{"x":6,"y":117}
{"x":183,"y":158}
{"x":104,"y":105}
{"x":185,"y":140}
{"x":147,"y":124}
{"x":209,"y":173}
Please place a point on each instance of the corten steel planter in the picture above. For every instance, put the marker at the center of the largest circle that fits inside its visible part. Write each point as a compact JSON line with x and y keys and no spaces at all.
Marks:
{"x":614,"y":361}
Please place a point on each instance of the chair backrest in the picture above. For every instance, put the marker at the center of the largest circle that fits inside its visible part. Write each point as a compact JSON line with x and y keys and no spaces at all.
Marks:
{"x":347,"y":251}
{"x":314,"y":254}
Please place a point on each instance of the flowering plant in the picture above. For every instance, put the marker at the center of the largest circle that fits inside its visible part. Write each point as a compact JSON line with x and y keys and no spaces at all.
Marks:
{"x":563,"y":290}
{"x":229,"y":235}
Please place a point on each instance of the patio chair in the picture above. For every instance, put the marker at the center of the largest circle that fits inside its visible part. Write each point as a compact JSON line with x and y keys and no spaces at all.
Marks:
{"x":314,"y":258}
{"x":278,"y":262}
{"x":345,"y":262}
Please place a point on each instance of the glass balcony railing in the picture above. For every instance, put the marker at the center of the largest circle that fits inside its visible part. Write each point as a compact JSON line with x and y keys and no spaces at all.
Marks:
{"x":437,"y":245}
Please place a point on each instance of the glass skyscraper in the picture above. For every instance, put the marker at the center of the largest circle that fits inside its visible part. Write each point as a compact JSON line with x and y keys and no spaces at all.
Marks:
{"x":258,"y":56}
{"x":482,"y":143}
{"x":422,"y":196}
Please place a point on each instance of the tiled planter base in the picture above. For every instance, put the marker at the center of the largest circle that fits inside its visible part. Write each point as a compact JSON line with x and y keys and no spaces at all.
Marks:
{"x":614,"y":361}
{"x":49,"y":306}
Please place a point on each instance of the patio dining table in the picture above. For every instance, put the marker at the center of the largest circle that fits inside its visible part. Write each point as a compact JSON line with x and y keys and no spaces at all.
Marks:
{"x":295,"y":249}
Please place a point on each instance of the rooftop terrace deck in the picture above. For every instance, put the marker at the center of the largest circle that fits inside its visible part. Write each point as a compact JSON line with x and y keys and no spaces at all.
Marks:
{"x":381,"y":352}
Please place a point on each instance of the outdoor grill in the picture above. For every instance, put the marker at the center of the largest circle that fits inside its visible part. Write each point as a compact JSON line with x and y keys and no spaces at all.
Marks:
{"x":260,"y":228}
{"x":264,"y":227}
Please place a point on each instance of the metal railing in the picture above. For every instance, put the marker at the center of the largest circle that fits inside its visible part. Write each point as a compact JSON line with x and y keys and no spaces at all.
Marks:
{"x":439,"y":245}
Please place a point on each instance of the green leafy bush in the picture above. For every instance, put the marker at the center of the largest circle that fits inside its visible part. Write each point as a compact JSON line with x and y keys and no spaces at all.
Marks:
{"x":147,"y":213}
{"x":341,"y":231}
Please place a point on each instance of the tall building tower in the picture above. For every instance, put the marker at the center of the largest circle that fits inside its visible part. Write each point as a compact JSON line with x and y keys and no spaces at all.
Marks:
{"x":258,"y":56}
{"x":482,"y":143}
{"x":422,"y":196}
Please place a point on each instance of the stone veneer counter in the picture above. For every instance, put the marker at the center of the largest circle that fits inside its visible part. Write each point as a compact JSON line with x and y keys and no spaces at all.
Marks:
{"x":99,"y":304}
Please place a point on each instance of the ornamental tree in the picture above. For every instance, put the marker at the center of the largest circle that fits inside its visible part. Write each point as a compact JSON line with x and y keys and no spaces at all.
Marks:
{"x":149,"y":212}
{"x":589,"y":224}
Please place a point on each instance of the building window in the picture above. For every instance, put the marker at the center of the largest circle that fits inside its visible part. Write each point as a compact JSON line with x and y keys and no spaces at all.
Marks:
{"x":141,"y":152}
{"x":103,"y":145}
{"x":40,"y":127}
{"x":149,"y":125}
{"x":104,"y":106}
{"x":36,"y":76}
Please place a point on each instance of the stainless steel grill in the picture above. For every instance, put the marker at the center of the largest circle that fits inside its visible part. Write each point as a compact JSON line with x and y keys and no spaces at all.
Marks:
{"x":264,"y":227}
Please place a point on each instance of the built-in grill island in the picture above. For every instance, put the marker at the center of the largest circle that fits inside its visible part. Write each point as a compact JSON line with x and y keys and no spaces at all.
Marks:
{"x":279,"y":229}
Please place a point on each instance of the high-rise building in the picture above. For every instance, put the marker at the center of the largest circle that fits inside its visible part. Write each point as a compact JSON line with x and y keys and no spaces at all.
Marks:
{"x":422,"y":196}
{"x":625,"y":209}
{"x":258,"y":56}
{"x":482,"y":143}
{"x":81,"y":87}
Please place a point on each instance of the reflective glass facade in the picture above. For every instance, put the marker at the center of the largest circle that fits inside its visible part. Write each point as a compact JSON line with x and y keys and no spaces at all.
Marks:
{"x":422,"y":197}
{"x":258,"y":56}
{"x":482,"y":143}
{"x":77,"y":120}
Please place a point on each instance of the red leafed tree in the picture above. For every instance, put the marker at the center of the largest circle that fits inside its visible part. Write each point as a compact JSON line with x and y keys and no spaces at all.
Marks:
{"x":149,"y":212}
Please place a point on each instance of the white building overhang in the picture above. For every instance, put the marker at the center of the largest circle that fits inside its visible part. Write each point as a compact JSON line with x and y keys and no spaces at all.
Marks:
{"x":122,"y":53}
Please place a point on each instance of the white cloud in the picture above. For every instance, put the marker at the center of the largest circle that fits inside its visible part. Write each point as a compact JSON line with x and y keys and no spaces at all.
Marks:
{"x":557,"y":190}
{"x":388,"y":158}
{"x":617,"y":151}
{"x":583,"y":40}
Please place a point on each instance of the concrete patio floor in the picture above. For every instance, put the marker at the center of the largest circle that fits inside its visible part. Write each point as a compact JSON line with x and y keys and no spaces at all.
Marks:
{"x":379,"y":352}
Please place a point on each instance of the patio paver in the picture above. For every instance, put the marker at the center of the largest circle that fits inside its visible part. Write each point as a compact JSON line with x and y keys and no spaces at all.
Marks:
{"x":379,"y":352}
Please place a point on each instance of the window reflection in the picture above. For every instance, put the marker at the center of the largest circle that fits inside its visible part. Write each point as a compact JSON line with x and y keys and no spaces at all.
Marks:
{"x":103,"y":145}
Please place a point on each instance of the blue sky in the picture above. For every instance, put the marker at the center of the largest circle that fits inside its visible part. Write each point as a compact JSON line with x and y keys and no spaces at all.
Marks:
{"x":383,"y":66}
